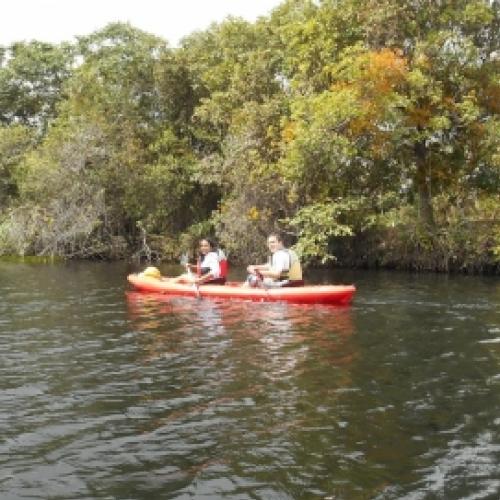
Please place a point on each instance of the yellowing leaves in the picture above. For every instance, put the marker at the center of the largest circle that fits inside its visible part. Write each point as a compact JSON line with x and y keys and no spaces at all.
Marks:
{"x":492,"y":97}
{"x":385,"y":70}
{"x":372,"y":78}
{"x":419,"y":116}
{"x":288,"y":134}
{"x":380,"y":146}
{"x":256,"y":214}
{"x":421,"y":61}
{"x":364,"y":123}
{"x":253,"y":214}
{"x":373,"y":73}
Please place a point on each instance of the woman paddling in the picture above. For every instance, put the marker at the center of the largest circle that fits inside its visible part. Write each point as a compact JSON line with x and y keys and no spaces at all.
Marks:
{"x":208,"y":268}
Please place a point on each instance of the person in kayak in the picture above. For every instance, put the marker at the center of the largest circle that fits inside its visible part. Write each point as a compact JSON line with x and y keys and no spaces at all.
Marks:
{"x":282,"y":269}
{"x":206,"y":270}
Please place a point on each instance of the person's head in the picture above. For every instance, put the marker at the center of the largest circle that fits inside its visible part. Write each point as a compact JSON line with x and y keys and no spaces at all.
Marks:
{"x":274,"y":242}
{"x":206,"y":245}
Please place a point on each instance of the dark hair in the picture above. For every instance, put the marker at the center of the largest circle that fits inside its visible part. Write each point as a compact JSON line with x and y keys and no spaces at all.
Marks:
{"x":211,"y":242}
{"x":275,"y":235}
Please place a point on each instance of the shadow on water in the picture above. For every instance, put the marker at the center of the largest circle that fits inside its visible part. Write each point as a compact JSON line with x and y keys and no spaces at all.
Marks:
{"x":110,"y":393}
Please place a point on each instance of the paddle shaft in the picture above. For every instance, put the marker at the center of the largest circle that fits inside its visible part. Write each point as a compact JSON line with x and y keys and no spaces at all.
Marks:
{"x":196,"y":287}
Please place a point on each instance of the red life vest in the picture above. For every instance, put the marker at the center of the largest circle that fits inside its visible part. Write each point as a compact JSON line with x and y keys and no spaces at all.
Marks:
{"x":223,"y":268}
{"x":223,"y":265}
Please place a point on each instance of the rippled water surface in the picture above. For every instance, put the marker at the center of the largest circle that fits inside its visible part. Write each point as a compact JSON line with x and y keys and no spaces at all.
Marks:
{"x":108,"y":393}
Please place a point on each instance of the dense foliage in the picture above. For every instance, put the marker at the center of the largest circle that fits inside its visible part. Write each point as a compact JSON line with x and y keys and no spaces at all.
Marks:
{"x":366,"y":131}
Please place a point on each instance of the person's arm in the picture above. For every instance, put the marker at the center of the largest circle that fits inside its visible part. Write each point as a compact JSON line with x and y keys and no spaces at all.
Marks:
{"x":280,"y":263}
{"x":211,"y":261}
{"x":199,"y":280}
{"x":265,"y":270}
{"x":262,"y":268}
{"x":271,"y":273}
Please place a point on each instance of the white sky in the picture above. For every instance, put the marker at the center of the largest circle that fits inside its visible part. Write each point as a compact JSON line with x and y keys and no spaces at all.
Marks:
{"x":61,"y":20}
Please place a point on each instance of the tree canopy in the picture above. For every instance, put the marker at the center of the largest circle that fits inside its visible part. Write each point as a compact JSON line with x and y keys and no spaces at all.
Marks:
{"x":367,"y":132}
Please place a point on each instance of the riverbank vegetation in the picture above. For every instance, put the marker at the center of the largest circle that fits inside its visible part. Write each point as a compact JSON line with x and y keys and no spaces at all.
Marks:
{"x":366,"y":131}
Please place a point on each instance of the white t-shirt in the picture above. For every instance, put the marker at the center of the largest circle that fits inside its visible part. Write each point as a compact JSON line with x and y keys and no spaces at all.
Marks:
{"x":280,"y":261}
{"x":211,"y":260}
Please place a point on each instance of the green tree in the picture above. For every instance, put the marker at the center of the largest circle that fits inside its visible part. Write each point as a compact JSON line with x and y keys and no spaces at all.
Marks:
{"x":451,"y":49}
{"x":230,"y":65}
{"x":307,"y":36}
{"x":255,"y":198}
{"x":399,"y":117}
{"x":32,"y":77}
{"x":16,"y":141}
{"x":113,"y":93}
{"x":60,"y":204}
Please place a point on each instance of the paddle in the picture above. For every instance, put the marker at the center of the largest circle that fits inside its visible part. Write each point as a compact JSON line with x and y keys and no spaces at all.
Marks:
{"x":263,"y":284}
{"x":260,"y":277}
{"x":196,"y":287}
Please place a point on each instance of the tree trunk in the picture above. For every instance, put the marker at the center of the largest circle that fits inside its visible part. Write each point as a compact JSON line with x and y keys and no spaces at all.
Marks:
{"x":423,"y":182}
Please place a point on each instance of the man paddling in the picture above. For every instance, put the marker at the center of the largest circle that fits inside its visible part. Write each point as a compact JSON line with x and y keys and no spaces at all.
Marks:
{"x":282,"y":269}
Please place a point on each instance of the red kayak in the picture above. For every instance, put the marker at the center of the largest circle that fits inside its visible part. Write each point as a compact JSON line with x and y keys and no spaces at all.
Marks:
{"x":314,"y":294}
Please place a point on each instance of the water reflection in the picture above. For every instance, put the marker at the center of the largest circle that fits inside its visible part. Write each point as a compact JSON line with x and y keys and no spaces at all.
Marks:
{"x":275,"y":370}
{"x":107,"y":394}
{"x":274,"y":325}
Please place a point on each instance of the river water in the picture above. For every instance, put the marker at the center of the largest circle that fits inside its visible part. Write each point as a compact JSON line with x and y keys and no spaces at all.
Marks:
{"x":107,"y":393}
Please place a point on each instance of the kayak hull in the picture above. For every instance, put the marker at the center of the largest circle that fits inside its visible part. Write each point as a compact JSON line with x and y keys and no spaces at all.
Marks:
{"x":314,"y":294}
